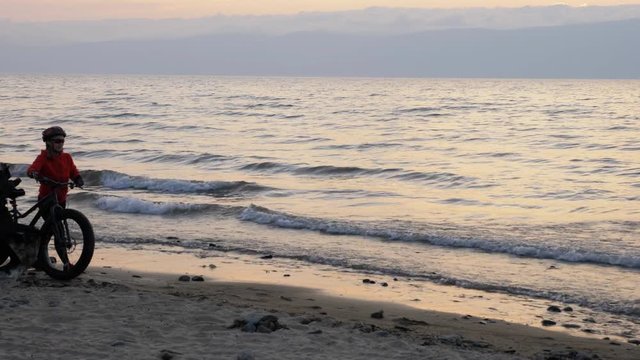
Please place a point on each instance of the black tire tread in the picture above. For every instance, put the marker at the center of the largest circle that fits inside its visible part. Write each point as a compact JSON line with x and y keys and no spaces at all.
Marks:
{"x":87,"y":247}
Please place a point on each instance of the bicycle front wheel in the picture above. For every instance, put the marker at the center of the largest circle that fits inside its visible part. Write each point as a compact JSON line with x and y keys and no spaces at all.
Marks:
{"x":67,"y":245}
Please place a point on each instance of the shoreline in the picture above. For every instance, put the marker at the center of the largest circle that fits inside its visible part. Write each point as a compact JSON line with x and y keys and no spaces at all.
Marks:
{"x":141,"y":287}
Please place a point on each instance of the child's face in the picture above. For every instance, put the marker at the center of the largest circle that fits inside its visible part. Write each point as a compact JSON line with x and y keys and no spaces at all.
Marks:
{"x":57,"y":143}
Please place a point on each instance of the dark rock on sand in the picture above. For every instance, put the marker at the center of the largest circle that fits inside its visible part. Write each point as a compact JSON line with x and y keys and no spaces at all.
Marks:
{"x":548,"y":323}
{"x":378,"y":315}
{"x":309,"y":320}
{"x":567,"y":355}
{"x":459,"y":341}
{"x":197,"y":278}
{"x":429,"y":341}
{"x":267,"y":257}
{"x":184,"y":278}
{"x":168,"y":354}
{"x":634,"y":341}
{"x":258,"y":323}
{"x":245,"y":355}
{"x":249,"y":327}
{"x":366,"y":328}
{"x":571,"y":326}
{"x":554,"y":308}
{"x":384,"y":284}
{"x":452,"y":339}
{"x":568,"y":309}
{"x":316,"y":332}
{"x":410,"y":322}
{"x":368,"y":281}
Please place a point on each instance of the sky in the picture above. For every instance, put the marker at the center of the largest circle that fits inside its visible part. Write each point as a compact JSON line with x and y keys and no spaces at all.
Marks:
{"x":59,"y":10}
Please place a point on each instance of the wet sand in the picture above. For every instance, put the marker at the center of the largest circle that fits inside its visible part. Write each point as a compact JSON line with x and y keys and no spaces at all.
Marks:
{"x":132,"y":304}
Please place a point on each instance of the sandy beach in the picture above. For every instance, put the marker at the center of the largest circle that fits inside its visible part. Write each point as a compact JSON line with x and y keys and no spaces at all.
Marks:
{"x":131,"y":304}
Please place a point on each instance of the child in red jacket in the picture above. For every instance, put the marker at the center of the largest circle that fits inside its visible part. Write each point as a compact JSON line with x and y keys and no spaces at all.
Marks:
{"x":54,"y":164}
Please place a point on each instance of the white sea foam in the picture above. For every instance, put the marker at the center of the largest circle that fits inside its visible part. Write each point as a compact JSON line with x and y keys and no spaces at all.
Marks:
{"x":265,"y":216}
{"x":116,"y":180}
{"x":137,"y":206}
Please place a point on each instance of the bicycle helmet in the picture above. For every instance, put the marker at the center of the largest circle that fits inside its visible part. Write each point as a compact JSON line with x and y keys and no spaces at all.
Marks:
{"x":51,"y":132}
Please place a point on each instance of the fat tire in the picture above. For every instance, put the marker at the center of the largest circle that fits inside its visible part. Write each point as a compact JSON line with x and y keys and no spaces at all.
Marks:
{"x":6,"y":262}
{"x":88,"y":245}
{"x":3,"y":255}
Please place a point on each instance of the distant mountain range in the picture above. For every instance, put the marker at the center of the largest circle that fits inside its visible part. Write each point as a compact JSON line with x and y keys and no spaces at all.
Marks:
{"x":586,"y":50}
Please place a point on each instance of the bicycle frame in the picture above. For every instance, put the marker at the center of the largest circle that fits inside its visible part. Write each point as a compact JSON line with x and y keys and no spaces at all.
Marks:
{"x":62,"y":240}
{"x":52,"y":197}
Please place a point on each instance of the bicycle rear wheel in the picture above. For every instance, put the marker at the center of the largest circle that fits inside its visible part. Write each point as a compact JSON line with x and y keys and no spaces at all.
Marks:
{"x":67,"y":255}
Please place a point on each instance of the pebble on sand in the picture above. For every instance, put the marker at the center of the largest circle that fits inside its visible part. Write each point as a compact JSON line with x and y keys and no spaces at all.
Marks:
{"x":548,"y":323}
{"x":378,"y":314}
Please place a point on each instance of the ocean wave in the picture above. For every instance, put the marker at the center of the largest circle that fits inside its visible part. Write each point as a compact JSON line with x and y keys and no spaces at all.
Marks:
{"x":188,"y":158}
{"x":119,"y":181}
{"x":137,"y":206}
{"x":116,"y":115}
{"x":388,"y":232}
{"x":269,"y":105}
{"x":15,"y":146}
{"x":359,"y":147}
{"x":438,"y":179}
{"x":265,"y":166}
{"x":131,"y":205}
{"x":419,"y":109}
{"x":340,"y":170}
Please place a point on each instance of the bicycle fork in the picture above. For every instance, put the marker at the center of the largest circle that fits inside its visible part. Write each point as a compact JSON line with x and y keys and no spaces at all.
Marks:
{"x":62,"y":240}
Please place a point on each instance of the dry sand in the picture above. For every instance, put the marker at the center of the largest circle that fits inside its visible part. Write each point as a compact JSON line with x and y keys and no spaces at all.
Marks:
{"x":131,"y":305}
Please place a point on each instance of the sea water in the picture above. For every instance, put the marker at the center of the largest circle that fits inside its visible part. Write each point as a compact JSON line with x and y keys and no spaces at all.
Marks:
{"x":522,"y":187}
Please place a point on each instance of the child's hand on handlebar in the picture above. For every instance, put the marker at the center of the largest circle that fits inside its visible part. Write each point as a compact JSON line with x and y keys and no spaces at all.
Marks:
{"x":78,"y":181}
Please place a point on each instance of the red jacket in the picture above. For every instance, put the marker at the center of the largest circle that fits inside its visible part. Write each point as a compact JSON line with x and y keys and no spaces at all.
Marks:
{"x":58,"y":167}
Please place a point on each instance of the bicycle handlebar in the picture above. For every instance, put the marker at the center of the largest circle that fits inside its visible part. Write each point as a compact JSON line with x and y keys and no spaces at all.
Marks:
{"x":45,"y":179}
